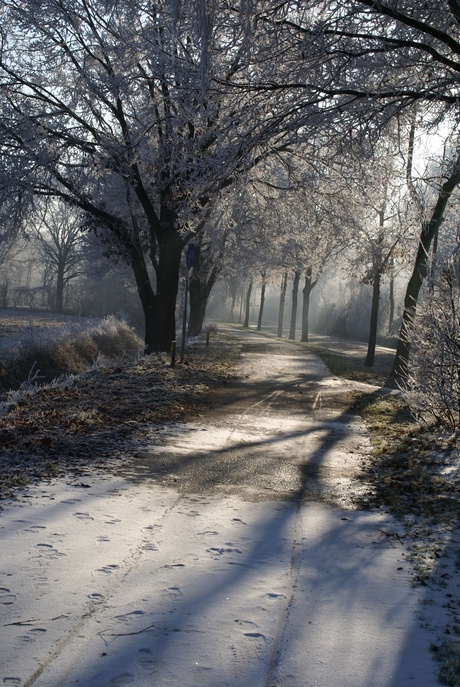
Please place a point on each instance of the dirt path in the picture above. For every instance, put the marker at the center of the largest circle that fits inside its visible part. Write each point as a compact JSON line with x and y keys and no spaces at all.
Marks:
{"x":283,"y":429}
{"x":229,"y":552}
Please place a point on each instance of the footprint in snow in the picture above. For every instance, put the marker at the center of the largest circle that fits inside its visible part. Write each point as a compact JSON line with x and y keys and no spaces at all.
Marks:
{"x":122,"y":680}
{"x":272,"y":595}
{"x":50,"y":551}
{"x":146,"y":660}
{"x":83,"y":516}
{"x":34,"y":528}
{"x":222,"y":550}
{"x":107,"y":569}
{"x":128,"y":616}
{"x":6,"y":599}
{"x":23,"y":640}
{"x":102,"y":538}
{"x":41,"y":582}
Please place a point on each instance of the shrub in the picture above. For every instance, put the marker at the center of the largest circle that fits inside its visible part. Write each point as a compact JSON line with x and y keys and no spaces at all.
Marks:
{"x":433,"y":385}
{"x":70,"y":347}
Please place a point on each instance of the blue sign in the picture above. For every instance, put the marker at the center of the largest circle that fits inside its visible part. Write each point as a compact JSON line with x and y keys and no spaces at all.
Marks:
{"x":190,"y":259}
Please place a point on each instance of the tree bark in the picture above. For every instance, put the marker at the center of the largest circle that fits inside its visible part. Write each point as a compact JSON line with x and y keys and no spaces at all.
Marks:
{"x":262,"y":302}
{"x":241,"y":295}
{"x":391,"y":315}
{"x":248,"y":301}
{"x":370,"y":358}
{"x":284,"y":279}
{"x":295,"y":293}
{"x":159,"y":307}
{"x":307,"y":289}
{"x":199,"y":296}
{"x":430,"y":227}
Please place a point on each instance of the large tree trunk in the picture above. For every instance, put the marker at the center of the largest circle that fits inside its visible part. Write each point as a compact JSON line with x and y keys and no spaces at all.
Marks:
{"x":429,"y":229}
{"x":262,"y":302}
{"x":159,"y":308}
{"x":284,"y":280}
{"x":370,"y":358}
{"x":307,"y":289}
{"x":295,"y":292}
{"x":199,"y":295}
{"x":248,"y":305}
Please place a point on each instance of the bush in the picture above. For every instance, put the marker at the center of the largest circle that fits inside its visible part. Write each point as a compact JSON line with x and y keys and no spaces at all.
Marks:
{"x":433,"y":385}
{"x":68,"y":347}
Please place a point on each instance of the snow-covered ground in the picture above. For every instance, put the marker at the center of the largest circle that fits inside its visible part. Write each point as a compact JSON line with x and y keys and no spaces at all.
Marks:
{"x":156,"y":578}
{"x":117,"y":584}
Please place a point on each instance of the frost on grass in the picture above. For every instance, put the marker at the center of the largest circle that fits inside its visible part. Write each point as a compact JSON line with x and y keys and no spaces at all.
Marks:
{"x":38,"y":354}
{"x":433,"y":384}
{"x":89,"y":421}
{"x":415,"y":472}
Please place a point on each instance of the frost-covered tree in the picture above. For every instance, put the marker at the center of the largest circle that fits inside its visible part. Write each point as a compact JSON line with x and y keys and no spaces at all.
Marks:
{"x":379,"y":60}
{"x":433,"y":380}
{"x":139,"y":114}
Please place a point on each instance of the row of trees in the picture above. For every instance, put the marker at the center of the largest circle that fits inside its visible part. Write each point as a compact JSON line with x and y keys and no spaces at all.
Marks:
{"x":165,"y":122}
{"x":54,"y":265}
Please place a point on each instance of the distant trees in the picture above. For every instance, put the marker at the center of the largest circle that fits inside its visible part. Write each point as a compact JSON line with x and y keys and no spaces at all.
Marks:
{"x":209,"y":253}
{"x":59,"y":241}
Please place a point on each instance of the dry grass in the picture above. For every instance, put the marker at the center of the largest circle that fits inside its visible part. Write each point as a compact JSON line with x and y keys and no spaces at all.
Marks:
{"x":45,"y":347}
{"x":89,"y":421}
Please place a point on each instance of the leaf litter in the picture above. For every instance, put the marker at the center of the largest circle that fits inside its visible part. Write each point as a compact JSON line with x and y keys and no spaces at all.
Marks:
{"x":89,"y":421}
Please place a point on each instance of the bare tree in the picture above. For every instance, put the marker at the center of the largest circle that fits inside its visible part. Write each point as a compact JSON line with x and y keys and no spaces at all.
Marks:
{"x":59,"y":240}
{"x":139,"y":115}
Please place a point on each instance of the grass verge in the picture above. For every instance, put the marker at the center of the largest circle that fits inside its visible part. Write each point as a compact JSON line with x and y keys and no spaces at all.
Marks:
{"x":42,"y":353}
{"x":88,"y":421}
{"x":414,"y":471}
{"x":350,"y":367}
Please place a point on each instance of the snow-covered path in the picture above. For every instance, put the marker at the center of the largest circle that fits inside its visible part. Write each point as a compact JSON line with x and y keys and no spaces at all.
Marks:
{"x":254,"y":577}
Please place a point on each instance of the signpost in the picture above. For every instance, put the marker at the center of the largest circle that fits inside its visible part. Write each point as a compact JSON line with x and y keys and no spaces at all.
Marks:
{"x":189,"y":260}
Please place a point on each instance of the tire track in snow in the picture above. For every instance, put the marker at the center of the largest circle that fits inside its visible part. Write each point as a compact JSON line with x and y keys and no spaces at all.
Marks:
{"x":278,"y":642}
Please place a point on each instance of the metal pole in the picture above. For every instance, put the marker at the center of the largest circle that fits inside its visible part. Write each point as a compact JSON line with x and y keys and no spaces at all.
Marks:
{"x":184,"y":320}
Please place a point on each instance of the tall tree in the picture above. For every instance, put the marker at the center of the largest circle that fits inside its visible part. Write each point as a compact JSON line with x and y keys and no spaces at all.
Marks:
{"x":139,"y":115}
{"x":206,"y":268}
